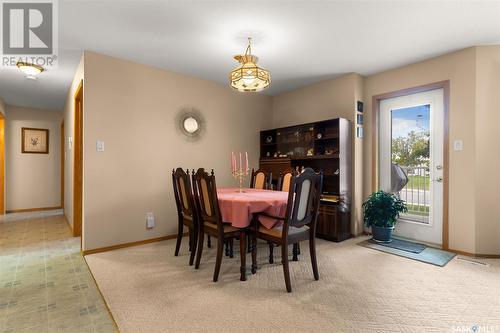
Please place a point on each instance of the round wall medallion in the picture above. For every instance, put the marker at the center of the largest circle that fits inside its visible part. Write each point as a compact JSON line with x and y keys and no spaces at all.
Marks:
{"x":191,"y":123}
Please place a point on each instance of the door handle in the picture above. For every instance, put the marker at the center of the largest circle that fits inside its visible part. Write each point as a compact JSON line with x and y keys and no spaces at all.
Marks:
{"x":439,"y":180}
{"x":439,"y":167}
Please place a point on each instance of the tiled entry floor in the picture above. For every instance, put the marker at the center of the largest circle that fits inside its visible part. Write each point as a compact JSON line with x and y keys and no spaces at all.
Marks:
{"x":45,"y":284}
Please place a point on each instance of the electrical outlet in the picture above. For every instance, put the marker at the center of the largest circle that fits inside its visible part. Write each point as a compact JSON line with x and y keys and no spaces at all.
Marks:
{"x":458,"y":145}
{"x":150,"y":220}
{"x":99,"y":146}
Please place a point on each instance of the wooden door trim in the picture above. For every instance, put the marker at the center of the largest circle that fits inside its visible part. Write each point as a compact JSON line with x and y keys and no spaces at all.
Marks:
{"x":445,"y":85}
{"x":63,"y":154}
{"x":2,"y":164}
{"x":78,"y":162}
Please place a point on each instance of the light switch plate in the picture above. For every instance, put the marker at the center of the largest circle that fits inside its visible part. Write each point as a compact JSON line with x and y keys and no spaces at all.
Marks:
{"x":458,"y":145}
{"x":99,"y":146}
{"x":70,"y":142}
{"x":150,"y":220}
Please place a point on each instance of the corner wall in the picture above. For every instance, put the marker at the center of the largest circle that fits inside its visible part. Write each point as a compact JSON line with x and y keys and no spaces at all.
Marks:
{"x":132,"y":108}
{"x":474,"y":75}
{"x":458,"y":67}
{"x":487,"y":151}
{"x":32,"y":180}
{"x":69,"y":130}
{"x":326,"y":100}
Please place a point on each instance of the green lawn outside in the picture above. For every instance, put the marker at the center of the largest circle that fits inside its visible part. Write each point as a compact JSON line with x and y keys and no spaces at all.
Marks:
{"x":417,"y":210}
{"x":418,"y":182}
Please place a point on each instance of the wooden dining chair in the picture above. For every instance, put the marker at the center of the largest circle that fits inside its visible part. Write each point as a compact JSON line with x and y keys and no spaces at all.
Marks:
{"x":299,"y":223}
{"x":285,"y":179}
{"x":207,"y":204}
{"x":186,"y":211}
{"x":261,"y":179}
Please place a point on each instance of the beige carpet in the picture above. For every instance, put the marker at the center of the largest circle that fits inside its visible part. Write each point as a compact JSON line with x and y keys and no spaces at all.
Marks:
{"x":360,"y":290}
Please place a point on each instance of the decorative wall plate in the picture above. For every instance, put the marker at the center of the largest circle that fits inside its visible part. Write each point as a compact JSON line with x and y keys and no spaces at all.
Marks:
{"x":190,"y":123}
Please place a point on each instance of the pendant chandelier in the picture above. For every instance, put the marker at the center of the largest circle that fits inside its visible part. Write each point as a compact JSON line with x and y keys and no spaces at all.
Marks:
{"x":248,"y":76}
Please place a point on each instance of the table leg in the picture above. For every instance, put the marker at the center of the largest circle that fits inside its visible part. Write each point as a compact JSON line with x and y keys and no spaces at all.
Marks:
{"x":231,"y":254}
{"x":295,"y":252}
{"x":254,"y":251}
{"x":243,"y":255}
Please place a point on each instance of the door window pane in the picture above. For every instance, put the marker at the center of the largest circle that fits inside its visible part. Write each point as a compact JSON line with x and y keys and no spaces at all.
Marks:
{"x":410,"y":149}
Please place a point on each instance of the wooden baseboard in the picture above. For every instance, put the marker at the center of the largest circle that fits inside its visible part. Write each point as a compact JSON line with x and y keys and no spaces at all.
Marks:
{"x":476,"y":255}
{"x":25,"y":210}
{"x":69,"y":225}
{"x":137,"y":243}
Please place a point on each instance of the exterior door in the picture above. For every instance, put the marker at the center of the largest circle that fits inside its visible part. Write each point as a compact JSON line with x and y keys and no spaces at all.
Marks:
{"x":412,"y":138}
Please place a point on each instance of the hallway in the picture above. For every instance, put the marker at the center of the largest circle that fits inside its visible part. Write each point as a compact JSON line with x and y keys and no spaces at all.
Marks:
{"x":45,"y":284}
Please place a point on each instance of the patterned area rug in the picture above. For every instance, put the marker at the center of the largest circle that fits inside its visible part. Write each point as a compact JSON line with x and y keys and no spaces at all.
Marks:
{"x":360,"y":290}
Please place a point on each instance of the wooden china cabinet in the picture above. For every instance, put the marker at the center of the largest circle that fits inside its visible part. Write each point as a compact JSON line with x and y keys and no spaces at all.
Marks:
{"x":323,"y":145}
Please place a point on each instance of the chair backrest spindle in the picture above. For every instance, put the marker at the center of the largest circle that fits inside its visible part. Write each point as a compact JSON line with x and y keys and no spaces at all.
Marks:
{"x":303,"y":199}
{"x":205,"y":194}
{"x":183,"y":193}
{"x":261,"y":179}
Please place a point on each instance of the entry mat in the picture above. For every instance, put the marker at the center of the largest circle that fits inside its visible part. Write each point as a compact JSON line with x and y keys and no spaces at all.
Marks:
{"x":411,"y":250}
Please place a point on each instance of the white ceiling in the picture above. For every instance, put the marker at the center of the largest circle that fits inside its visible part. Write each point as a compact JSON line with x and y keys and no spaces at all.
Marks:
{"x":300,"y":42}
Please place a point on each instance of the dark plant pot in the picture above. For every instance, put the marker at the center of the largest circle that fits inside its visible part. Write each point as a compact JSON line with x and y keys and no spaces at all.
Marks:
{"x":382,"y":234}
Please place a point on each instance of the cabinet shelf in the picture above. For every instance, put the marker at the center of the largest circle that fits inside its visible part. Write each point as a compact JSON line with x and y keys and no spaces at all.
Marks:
{"x":333,"y":219}
{"x":330,"y":137}
{"x":317,"y":157}
{"x":314,"y":157}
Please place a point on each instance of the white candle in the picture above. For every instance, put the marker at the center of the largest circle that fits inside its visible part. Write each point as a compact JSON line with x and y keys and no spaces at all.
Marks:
{"x":246,"y":162}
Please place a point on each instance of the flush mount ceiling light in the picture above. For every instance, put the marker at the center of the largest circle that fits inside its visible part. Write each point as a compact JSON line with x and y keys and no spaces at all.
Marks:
{"x":248,"y":76}
{"x":31,"y":70}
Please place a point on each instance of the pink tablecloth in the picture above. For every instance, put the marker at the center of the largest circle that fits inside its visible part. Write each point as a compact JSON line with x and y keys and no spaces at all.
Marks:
{"x":237,"y":208}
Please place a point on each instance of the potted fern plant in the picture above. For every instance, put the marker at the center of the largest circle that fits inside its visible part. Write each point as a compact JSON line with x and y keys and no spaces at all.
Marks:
{"x":381,"y":212}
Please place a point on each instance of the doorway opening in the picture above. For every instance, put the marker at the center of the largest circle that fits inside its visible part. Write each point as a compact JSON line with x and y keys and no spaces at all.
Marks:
{"x":78,"y":163}
{"x":412,"y":158}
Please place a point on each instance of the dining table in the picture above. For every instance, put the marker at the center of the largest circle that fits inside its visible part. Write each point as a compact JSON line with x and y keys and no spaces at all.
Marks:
{"x":237,"y":208}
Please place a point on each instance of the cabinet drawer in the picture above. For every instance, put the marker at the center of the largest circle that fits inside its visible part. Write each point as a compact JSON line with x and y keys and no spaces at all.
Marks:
{"x":328,"y":209}
{"x":332,"y":224}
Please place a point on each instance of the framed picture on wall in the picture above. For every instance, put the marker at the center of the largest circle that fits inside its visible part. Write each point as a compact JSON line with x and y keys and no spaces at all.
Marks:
{"x":360,"y":119}
{"x":34,"y":140}
{"x":359,"y":106}
{"x":359,"y":132}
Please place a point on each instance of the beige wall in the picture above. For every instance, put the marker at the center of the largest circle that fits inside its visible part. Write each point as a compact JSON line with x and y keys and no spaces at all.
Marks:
{"x":487,"y":151}
{"x":69,"y":127}
{"x":326,"y":100}
{"x":458,"y":67}
{"x":474,"y":115}
{"x":2,"y":107}
{"x":32,"y":180}
{"x":132,"y":107}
